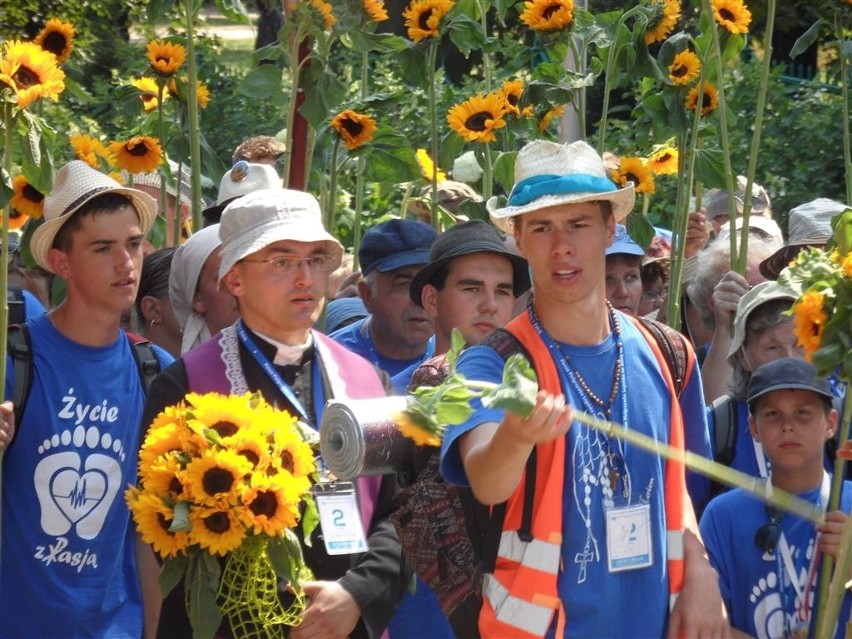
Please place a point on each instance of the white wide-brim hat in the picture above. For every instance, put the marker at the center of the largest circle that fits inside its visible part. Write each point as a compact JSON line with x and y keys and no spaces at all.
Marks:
{"x":256,"y":220}
{"x":242,"y":178}
{"x":76,"y":184}
{"x":550,"y":174}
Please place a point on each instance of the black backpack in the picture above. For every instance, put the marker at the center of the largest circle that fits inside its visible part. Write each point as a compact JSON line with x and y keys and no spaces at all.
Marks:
{"x":20,"y":348}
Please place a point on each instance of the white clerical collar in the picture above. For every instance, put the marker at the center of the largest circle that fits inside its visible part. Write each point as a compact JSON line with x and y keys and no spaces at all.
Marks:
{"x":286,"y":353}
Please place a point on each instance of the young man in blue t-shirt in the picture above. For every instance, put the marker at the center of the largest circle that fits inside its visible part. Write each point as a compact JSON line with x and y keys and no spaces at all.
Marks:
{"x":71,"y":565}
{"x":768,"y":561}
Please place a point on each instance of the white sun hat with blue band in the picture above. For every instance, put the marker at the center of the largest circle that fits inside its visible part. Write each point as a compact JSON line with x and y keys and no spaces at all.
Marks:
{"x":549,"y":174}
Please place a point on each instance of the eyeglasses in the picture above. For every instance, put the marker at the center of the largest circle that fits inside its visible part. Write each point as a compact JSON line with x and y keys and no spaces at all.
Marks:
{"x":289,"y":264}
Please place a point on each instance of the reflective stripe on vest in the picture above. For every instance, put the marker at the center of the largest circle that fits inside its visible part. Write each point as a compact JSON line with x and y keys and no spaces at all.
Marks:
{"x":536,"y":554}
{"x":514,"y":611}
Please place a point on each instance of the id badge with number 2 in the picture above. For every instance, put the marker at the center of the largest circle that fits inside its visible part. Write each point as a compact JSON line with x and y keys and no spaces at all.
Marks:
{"x":340,"y":518}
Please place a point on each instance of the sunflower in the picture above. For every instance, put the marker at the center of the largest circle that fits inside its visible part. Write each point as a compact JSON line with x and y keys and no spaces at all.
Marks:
{"x":413,"y":428}
{"x":547,"y":118}
{"x":139,"y":154}
{"x":165,"y":435}
{"x":324,"y":9}
{"x":809,"y":319}
{"x":732,"y":14}
{"x":684,"y":68}
{"x":89,"y":149}
{"x":427,"y":166}
{"x":165,"y":57}
{"x":215,"y":476}
{"x":16,"y":218}
{"x":660,"y":30}
{"x":709,"y":100}
{"x":355,"y":129}
{"x":216,"y":530}
{"x":224,"y":414}
{"x":846,"y":265}
{"x":423,"y":18}
{"x":31,"y":72}
{"x":476,"y":119}
{"x":149,"y":92}
{"x":153,"y":519}
{"x":376,"y":11}
{"x":58,"y":38}
{"x":27,"y":200}
{"x":252,"y":444}
{"x":178,"y":89}
{"x":663,"y":161}
{"x":271,"y":505}
{"x":634,"y":170}
{"x":548,"y":15}
{"x":291,"y":454}
{"x":512,"y":92}
{"x":165,"y":477}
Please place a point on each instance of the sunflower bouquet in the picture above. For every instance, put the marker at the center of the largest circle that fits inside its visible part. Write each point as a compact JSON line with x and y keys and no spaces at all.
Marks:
{"x":227,"y":476}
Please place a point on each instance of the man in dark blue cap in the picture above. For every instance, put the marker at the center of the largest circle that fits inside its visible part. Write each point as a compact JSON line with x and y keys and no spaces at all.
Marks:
{"x":398,"y":333}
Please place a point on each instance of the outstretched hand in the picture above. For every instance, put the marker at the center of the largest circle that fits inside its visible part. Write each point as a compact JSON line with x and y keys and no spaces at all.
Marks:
{"x":331,"y":613}
{"x":7,"y":424}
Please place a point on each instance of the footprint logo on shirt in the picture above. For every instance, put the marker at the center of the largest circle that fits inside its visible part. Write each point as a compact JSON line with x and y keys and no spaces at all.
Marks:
{"x":768,"y":611}
{"x":77,"y":480}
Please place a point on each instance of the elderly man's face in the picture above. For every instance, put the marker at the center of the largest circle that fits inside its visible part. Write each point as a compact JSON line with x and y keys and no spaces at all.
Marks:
{"x":396,"y":319}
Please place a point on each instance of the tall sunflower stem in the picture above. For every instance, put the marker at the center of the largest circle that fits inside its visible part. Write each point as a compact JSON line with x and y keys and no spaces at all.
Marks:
{"x":192,"y":115}
{"x":331,"y":203}
{"x":847,"y":139}
{"x":4,"y":277}
{"x":679,"y":227}
{"x":580,"y":106}
{"x":486,"y":58}
{"x":359,"y":171}
{"x":161,"y":133}
{"x":610,"y":68}
{"x":433,"y":131}
{"x":723,"y":131}
{"x":825,"y":621}
{"x":487,"y":173}
{"x":763,"y":88}
{"x":295,"y":75}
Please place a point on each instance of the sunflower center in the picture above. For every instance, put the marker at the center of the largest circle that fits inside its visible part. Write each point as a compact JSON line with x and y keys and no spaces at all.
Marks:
{"x":164,"y":523}
{"x":477,"y":121}
{"x":630,"y":177}
{"x":551,"y":9}
{"x":287,"y":462}
{"x":250,"y":455}
{"x":25,"y":78}
{"x":725,"y":14}
{"x":175,"y":486}
{"x":664,"y":158}
{"x":14,"y":214}
{"x":54,"y":42}
{"x":217,"y":523}
{"x":164,"y":59}
{"x":352,"y":127}
{"x":225,"y":429}
{"x":138,"y":150}
{"x":32,"y":194}
{"x":423,"y":20}
{"x":679,"y":71}
{"x":706,"y":100}
{"x":513,"y":100}
{"x":264,"y":504}
{"x":217,"y":480}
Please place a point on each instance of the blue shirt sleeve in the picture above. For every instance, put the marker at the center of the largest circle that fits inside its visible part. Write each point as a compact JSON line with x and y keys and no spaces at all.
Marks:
{"x":483,"y":364}
{"x":32,"y":306}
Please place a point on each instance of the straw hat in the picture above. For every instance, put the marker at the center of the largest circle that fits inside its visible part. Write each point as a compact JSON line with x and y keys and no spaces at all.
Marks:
{"x":76,"y":184}
{"x":549,"y":174}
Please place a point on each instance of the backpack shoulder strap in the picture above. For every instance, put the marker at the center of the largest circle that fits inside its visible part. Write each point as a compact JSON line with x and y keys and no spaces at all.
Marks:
{"x":17,"y":306}
{"x":22,"y":365}
{"x":674,"y":349}
{"x":146,"y":360}
{"x":724,"y":411}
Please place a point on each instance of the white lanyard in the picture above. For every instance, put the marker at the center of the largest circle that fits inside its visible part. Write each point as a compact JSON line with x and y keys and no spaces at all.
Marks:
{"x":760,"y":457}
{"x":787,"y":555}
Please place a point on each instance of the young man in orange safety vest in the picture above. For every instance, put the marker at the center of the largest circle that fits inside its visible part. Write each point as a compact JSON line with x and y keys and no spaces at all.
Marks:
{"x":599,"y":537}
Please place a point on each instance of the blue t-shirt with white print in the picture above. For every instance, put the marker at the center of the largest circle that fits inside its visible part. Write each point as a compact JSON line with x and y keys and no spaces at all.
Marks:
{"x":68,"y":555}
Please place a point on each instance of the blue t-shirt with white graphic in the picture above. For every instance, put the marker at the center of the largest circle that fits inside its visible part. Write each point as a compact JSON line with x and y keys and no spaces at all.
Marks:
{"x":756,"y":586}
{"x":68,"y":562}
{"x":597,"y":602}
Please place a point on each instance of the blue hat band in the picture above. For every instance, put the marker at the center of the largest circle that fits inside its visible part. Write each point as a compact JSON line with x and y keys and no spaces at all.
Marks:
{"x":536,"y":186}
